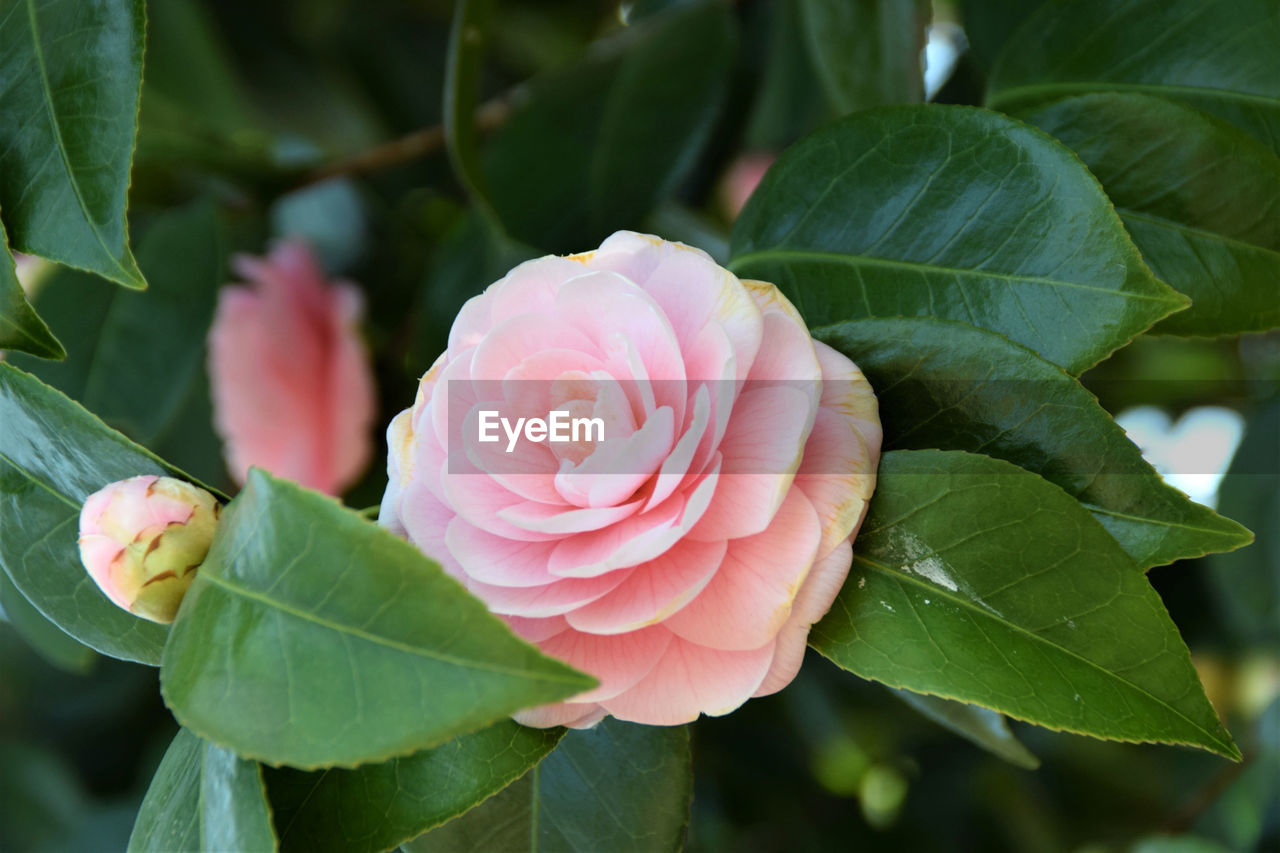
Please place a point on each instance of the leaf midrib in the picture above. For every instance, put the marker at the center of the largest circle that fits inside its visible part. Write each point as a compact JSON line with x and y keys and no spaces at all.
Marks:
{"x":866,"y":260}
{"x":965,"y":603}
{"x":375,"y":639}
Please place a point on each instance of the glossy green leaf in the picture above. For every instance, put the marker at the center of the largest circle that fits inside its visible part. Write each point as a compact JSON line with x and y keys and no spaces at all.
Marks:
{"x":950,"y":386}
{"x":139,"y":358}
{"x":54,"y":454}
{"x":866,"y":52}
{"x":379,"y":806}
{"x":338,"y":643}
{"x":978,"y":581}
{"x":20,"y":327}
{"x":956,"y":213}
{"x":592,"y":147}
{"x":138,"y":355}
{"x":1216,"y":55}
{"x":1247,"y":582}
{"x":1198,"y":196}
{"x":980,"y":726}
{"x":68,"y":118}
{"x":618,"y":787}
{"x":203,"y":797}
{"x":49,"y":641}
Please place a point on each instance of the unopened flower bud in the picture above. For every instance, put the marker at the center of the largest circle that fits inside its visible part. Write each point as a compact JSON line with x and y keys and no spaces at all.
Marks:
{"x":142,"y":540}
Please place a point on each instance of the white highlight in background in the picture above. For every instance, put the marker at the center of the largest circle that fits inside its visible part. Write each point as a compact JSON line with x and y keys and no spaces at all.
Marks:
{"x":1193,"y":453}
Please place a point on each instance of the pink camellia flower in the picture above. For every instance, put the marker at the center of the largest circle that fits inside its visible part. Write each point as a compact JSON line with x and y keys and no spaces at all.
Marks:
{"x":142,"y":540}
{"x":681,"y":553}
{"x":293,"y":390}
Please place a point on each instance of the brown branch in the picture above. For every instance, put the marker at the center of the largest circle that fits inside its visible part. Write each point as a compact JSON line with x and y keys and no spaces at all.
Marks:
{"x":410,"y":147}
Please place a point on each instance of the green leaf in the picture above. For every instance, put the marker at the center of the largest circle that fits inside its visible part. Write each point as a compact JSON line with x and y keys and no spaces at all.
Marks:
{"x":989,"y":23}
{"x":337,"y":643}
{"x":139,"y":359}
{"x":618,"y":787}
{"x":49,"y":641}
{"x":20,"y":327}
{"x":72,"y":72}
{"x":53,"y":455}
{"x":379,"y":806}
{"x":203,"y":797}
{"x":951,"y":212}
{"x":594,"y":146}
{"x":980,"y":726}
{"x":978,"y":581}
{"x":1193,"y":197}
{"x":1247,"y":583}
{"x":950,"y":386}
{"x":789,"y":101}
{"x":468,"y":38}
{"x":866,"y":52}
{"x":140,"y":354}
{"x":1215,"y":55}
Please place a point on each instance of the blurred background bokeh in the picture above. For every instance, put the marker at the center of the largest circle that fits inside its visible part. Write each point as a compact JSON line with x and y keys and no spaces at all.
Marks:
{"x":321,"y":118}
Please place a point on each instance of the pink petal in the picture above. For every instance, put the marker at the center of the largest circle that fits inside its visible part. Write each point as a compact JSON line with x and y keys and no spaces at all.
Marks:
{"x":848,"y":392}
{"x":812,"y":603}
{"x":492,"y":559}
{"x":749,"y":598}
{"x":573,"y":715}
{"x":837,"y":475}
{"x":654,"y":591}
{"x":617,"y":661}
{"x":558,"y":521}
{"x":513,"y":341}
{"x":762,"y":450}
{"x":615,"y":312}
{"x":619,"y":466}
{"x":690,"y":680}
{"x":634,"y":540}
{"x":554,"y":599}
{"x":691,"y":288}
{"x":536,"y":630}
{"x":529,"y":288}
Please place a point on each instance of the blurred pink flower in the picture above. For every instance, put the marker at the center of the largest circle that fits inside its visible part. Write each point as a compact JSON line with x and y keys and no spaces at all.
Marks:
{"x":292,"y":386}
{"x":142,"y":539}
{"x":741,"y":180}
{"x":681,"y":556}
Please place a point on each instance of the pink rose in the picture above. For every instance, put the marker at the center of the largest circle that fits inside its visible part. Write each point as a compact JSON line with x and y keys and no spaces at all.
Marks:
{"x":142,"y":540}
{"x":682,"y":559}
{"x":293,"y":390}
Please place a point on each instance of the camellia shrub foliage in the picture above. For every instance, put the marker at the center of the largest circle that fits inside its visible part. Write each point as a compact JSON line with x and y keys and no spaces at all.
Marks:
{"x":239,"y":236}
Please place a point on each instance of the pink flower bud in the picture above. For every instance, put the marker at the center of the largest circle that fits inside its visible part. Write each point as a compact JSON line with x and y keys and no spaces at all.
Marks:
{"x":741,"y":180}
{"x":142,"y":540}
{"x":293,"y":389}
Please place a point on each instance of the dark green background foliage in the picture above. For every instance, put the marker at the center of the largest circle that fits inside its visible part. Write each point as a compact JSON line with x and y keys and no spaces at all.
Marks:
{"x":1086,"y":220}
